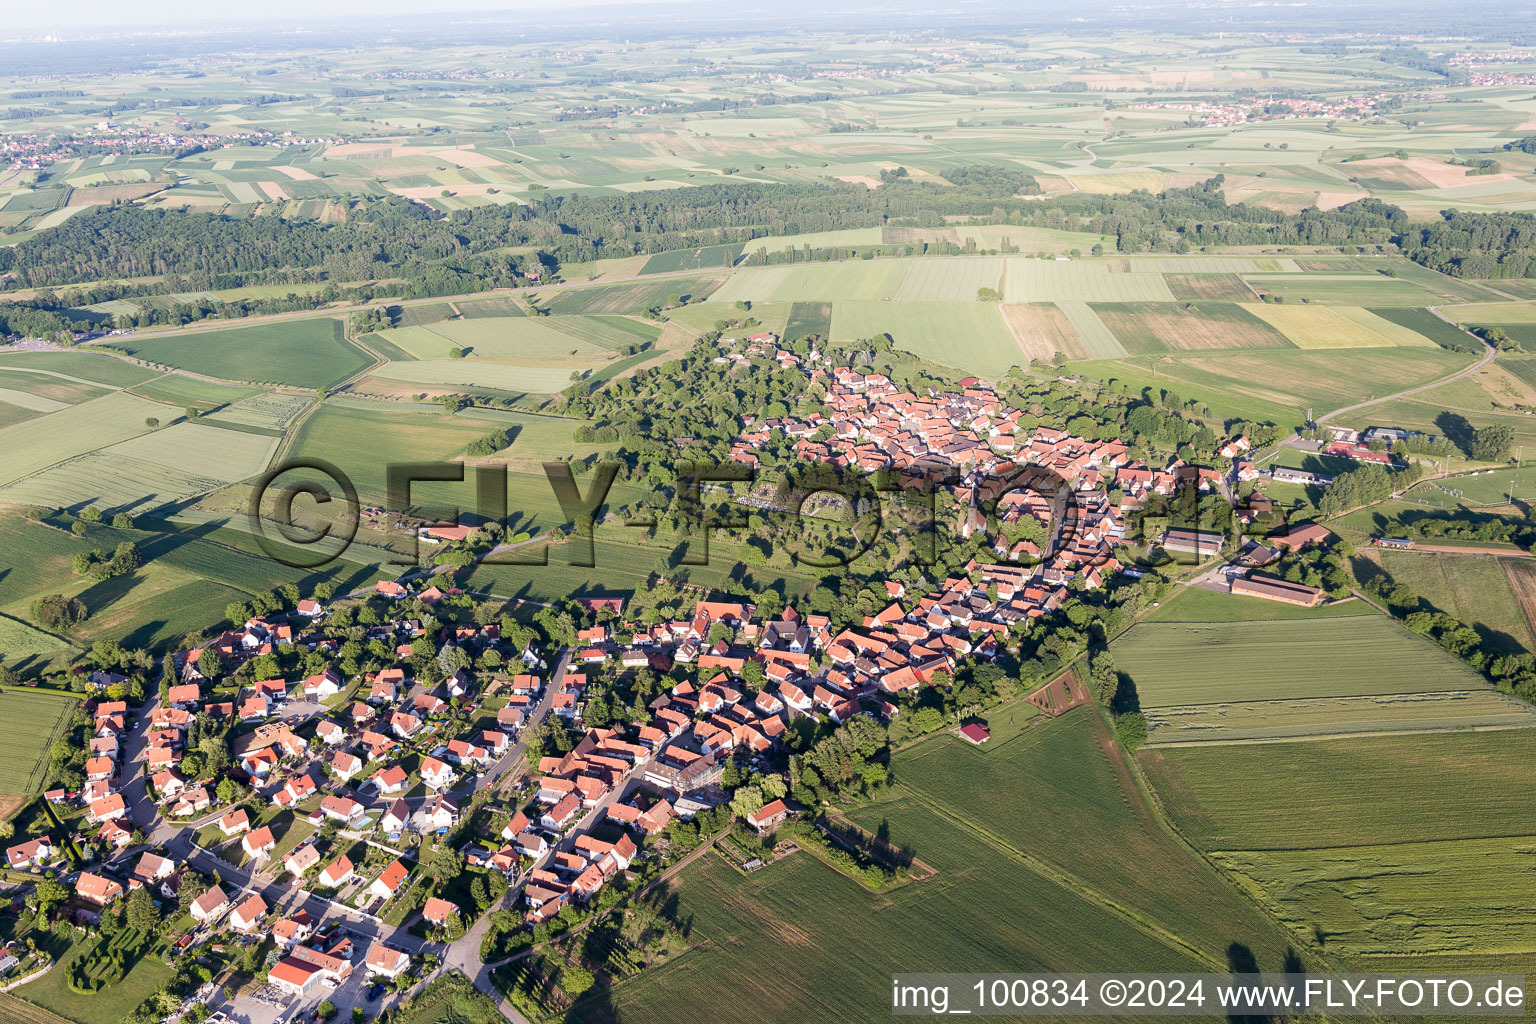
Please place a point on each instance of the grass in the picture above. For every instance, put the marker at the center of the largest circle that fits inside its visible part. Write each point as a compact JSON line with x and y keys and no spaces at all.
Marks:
{"x":302,"y":353}
{"x":20,"y":640}
{"x":1342,"y":289}
{"x":1425,"y":323}
{"x":189,"y":392}
{"x":1326,"y":327}
{"x":1346,"y":792}
{"x":949,"y":280}
{"x":1182,"y":663}
{"x":97,"y":367}
{"x":1032,"y":280}
{"x":866,"y":281}
{"x":32,"y":722}
{"x":270,"y":409}
{"x":111,"y":1004}
{"x":1088,"y":820}
{"x":1473,"y":588}
{"x":497,"y":305}
{"x":968,"y":336}
{"x":1196,"y":604}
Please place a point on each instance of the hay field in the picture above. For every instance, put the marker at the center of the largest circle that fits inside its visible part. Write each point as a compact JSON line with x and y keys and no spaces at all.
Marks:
{"x":481,"y":373}
{"x":1043,"y":330}
{"x":29,"y":725}
{"x":1321,"y":327}
{"x":38,"y":443}
{"x":1143,"y":327}
{"x":215,"y":451}
{"x":969,"y":336}
{"x":271,"y":410}
{"x":1473,"y":588}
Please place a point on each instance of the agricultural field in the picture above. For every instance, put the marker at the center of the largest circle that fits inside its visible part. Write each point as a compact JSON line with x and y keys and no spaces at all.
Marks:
{"x":1365,"y":673}
{"x":710,"y":257}
{"x":1043,"y":332}
{"x":1196,"y":604}
{"x":90,"y":367}
{"x":1090,"y":822}
{"x":270,"y":410}
{"x":844,"y":938}
{"x":859,"y":281}
{"x":631,"y":298}
{"x":1346,"y":792}
{"x":1341,"y":289}
{"x":1327,"y":327}
{"x":950,"y":280}
{"x":76,"y":430}
{"x":32,"y":722}
{"x":181,"y":392}
{"x":1207,"y":287}
{"x":1173,"y":327}
{"x":968,"y":336}
{"x":300,"y":353}
{"x":475,"y":308}
{"x":1030,"y":280}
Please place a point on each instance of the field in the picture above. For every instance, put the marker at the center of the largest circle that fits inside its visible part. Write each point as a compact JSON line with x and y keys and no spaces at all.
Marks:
{"x":473,"y":309}
{"x":1196,"y":604}
{"x":33,"y":721}
{"x":968,"y":336}
{"x":1473,"y":588}
{"x":456,"y":374}
{"x":865,"y":281}
{"x":1183,"y":663}
{"x":1168,"y":327}
{"x":1089,"y":822}
{"x":95,"y":367}
{"x":519,"y":339}
{"x":302,"y":353}
{"x":1325,"y":327}
{"x":1054,"y":281}
{"x":190,"y":393}
{"x":1224,"y":287}
{"x":710,"y":257}
{"x":270,"y":410}
{"x":631,"y":298}
{"x":1346,"y":792}
{"x":1341,"y":289}
{"x":111,"y":1004}
{"x":807,"y":320}
{"x":28,"y":645}
{"x":1042,"y":331}
{"x":39,"y":443}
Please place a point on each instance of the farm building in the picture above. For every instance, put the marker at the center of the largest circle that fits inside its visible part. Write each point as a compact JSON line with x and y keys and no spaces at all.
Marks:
{"x":1277,"y":590}
{"x":1392,"y":542}
{"x":1193,"y":542}
{"x":975,"y":733}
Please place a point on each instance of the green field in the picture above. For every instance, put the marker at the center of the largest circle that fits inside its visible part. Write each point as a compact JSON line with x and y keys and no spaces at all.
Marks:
{"x":1143,"y":327}
{"x":710,"y":257}
{"x":97,"y":367}
{"x":1473,"y":588}
{"x":39,"y":443}
{"x":1183,"y":663}
{"x":32,"y":722}
{"x":1426,"y":323}
{"x":630,"y":298}
{"x":497,"y":305}
{"x":1196,"y":604}
{"x":302,"y":353}
{"x":950,"y":280}
{"x":271,"y":410}
{"x":189,"y":392}
{"x":808,"y":320}
{"x":969,"y":336}
{"x":1342,"y":289}
{"x":1030,"y":280}
{"x":862,"y":280}
{"x":1058,"y":793}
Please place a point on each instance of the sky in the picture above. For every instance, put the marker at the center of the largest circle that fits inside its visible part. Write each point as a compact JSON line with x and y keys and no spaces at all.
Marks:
{"x":93,"y":16}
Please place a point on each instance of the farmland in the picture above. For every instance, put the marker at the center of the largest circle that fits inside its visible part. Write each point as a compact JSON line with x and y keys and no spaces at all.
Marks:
{"x":630,"y":298}
{"x":969,"y":336}
{"x":1473,"y":588}
{"x":707,"y":258}
{"x":1158,"y":327}
{"x":33,"y":721}
{"x":302,"y":353}
{"x":39,"y":443}
{"x":1043,"y":331}
{"x":1346,"y":792}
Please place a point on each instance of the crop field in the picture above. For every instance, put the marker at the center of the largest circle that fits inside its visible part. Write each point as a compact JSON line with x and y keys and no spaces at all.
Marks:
{"x":302,"y":353}
{"x":822,"y":282}
{"x":462,"y":373}
{"x":1324,"y":327}
{"x":27,"y":644}
{"x":1097,"y":338}
{"x":1473,"y":588}
{"x":1196,"y":604}
{"x":32,"y":721}
{"x":950,"y":280}
{"x":631,"y":298}
{"x":1416,"y":898}
{"x":1090,"y":822}
{"x":1495,"y":313}
{"x":969,"y":336}
{"x":1221,"y":287}
{"x":524,"y":340}
{"x":1346,"y":792}
{"x":1342,"y":289}
{"x":1145,"y":327}
{"x":843,"y":939}
{"x":43,"y":391}
{"x":223,"y":454}
{"x":1042,"y":331}
{"x":273,"y":410}
{"x":807,"y":320}
{"x":422,"y":314}
{"x":39,"y":443}
{"x":92,"y":367}
{"x":1424,"y":323}
{"x":710,"y":257}
{"x":361,"y":440}
{"x":189,"y":392}
{"x":1183,"y":663}
{"x":1031,"y":280}
{"x":496,"y":305}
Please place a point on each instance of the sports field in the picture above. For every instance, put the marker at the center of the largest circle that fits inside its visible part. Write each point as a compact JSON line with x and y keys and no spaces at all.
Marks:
{"x":30,"y":723}
{"x":302,"y":353}
{"x":969,"y":336}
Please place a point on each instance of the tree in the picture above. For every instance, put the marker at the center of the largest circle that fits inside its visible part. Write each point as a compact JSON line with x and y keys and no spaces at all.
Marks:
{"x":327,"y":1010}
{"x":142,"y":915}
{"x":49,"y":894}
{"x":151,"y":422}
{"x":1493,"y":443}
{"x":575,"y":979}
{"x":122,"y":521}
{"x":229,"y":791}
{"x":55,"y":611}
{"x":209,"y":663}
{"x":193,"y":412}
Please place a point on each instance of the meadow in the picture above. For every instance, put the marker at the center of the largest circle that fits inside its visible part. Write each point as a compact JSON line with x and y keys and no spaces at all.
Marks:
{"x":1473,"y":588}
{"x":1341,"y":289}
{"x":181,"y":392}
{"x":1183,"y":663}
{"x":93,"y":367}
{"x":301,"y":353}
{"x":709,"y":257}
{"x":630,"y":298}
{"x":32,"y":722}
{"x":39,"y":443}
